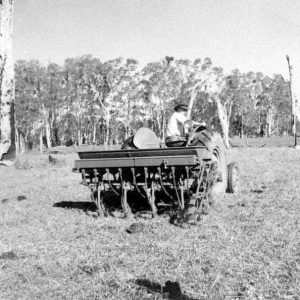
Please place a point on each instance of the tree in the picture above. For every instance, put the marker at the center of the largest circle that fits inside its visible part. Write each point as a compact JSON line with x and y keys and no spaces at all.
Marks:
{"x":83,"y":86}
{"x":7,"y":93}
{"x":129,"y":105}
{"x":28,"y":111}
{"x":121,"y":79}
{"x":195,"y":79}
{"x":217,"y":88}
{"x":162,"y":83}
{"x":282,"y":105}
{"x":91,"y":101}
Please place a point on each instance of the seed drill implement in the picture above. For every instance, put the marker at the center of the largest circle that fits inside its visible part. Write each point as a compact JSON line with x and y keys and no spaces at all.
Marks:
{"x":190,"y":172}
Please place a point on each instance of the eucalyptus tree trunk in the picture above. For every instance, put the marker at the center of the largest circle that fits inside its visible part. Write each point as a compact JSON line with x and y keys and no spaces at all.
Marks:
{"x":164,"y":123}
{"x":7,"y":89}
{"x":242,"y":126}
{"x":79,"y":138}
{"x":224,"y":116}
{"x":48,"y":133}
{"x":94,"y":132}
{"x":192,"y":100}
{"x":46,"y":122}
{"x":293,"y":99}
{"x":107,"y":131}
{"x":41,"y":140}
{"x":270,"y":121}
{"x":18,"y":144}
{"x":20,"y":141}
{"x":79,"y":132}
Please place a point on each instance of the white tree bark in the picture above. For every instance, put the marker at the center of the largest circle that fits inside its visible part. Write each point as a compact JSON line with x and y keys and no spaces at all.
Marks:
{"x":224,"y":115}
{"x":293,"y":98}
{"x":192,"y":99}
{"x":20,"y":142}
{"x":107,"y":121}
{"x":48,"y":133}
{"x":94,"y":132}
{"x":79,"y":136}
{"x":7,"y":94}
{"x":270,"y":120}
{"x":41,"y":141}
{"x":46,"y":123}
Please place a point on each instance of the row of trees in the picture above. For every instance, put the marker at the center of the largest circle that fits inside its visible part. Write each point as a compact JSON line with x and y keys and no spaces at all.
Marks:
{"x":90,"y":101}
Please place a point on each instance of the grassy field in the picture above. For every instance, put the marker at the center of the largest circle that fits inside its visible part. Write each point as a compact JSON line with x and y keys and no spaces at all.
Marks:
{"x":263,"y":142}
{"x":247,"y":247}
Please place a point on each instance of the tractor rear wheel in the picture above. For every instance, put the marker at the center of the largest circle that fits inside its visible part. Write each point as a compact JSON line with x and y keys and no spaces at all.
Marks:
{"x":215,"y":145}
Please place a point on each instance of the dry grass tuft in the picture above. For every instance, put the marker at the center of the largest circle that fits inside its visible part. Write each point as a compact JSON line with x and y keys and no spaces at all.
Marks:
{"x":22,"y":163}
{"x":28,"y":161}
{"x":56,"y":161}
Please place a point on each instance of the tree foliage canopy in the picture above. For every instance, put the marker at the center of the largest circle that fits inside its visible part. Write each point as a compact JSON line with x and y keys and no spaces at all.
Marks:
{"x":90,"y":101}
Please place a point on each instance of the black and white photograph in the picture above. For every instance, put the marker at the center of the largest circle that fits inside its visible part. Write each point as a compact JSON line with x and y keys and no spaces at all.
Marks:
{"x":149,"y":149}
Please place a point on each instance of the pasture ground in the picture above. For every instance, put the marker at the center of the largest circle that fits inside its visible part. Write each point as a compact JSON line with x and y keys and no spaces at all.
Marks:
{"x":247,"y":247}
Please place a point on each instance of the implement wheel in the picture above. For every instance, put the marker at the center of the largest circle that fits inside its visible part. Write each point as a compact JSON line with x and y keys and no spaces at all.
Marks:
{"x":233,"y":178}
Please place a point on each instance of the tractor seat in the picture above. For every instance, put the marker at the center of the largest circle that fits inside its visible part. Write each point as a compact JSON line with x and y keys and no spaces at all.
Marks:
{"x":175,"y":141}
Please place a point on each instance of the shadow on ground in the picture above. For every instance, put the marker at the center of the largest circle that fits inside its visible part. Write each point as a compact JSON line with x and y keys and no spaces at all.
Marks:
{"x":171,"y":290}
{"x":81,"y":205}
{"x":112,"y":203}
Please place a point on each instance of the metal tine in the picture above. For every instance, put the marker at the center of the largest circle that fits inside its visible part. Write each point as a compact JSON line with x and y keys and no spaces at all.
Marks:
{"x":125,"y":206}
{"x":99,"y":201}
{"x":210,"y":174}
{"x":174,"y":183}
{"x":135,"y":184}
{"x":187,"y":180}
{"x":205,"y":187}
{"x":84,"y":181}
{"x":146,"y":177}
{"x":150,"y":194}
{"x":121,"y":180}
{"x":200,"y":179}
{"x":95,"y":175}
{"x":154,"y":209}
{"x":192,"y":201}
{"x":182,"y":194}
{"x":161,"y":183}
{"x":109,"y":182}
{"x":83,"y":175}
{"x":96,"y":181}
{"x":121,"y":177}
{"x":209,"y":183}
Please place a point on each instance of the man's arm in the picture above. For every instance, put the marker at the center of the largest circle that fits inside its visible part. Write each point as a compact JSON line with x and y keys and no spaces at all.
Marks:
{"x":198,"y":123}
{"x":194,"y":123}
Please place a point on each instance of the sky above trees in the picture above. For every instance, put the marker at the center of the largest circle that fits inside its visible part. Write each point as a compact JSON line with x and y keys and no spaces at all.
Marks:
{"x":250,"y":34}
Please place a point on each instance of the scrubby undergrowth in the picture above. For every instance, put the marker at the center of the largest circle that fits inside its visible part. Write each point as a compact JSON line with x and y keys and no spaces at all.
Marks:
{"x":248,"y":247}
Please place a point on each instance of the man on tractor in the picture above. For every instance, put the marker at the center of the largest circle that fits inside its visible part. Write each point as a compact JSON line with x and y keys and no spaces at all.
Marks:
{"x":175,"y":135}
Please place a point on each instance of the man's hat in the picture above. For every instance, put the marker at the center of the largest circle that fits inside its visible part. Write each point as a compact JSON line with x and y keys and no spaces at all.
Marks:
{"x":181,"y":106}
